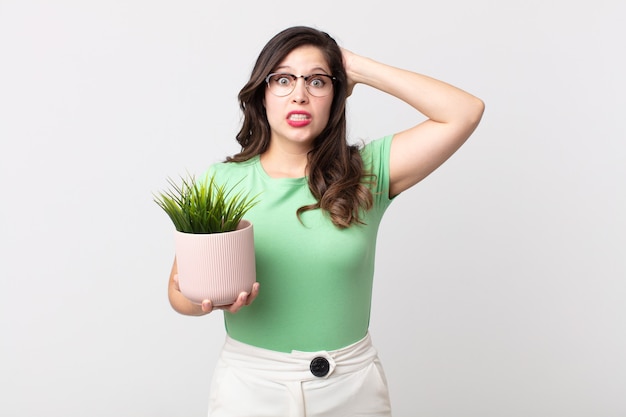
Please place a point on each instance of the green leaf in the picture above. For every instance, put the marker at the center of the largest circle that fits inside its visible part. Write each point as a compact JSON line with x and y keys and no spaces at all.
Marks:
{"x":204,"y":206}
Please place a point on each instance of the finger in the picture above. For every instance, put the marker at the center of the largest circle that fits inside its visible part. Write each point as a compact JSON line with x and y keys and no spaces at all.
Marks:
{"x":207,"y":306}
{"x":254,"y":293}
{"x":240,"y":302}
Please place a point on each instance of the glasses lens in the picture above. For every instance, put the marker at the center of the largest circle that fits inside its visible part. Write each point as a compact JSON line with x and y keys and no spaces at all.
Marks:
{"x":319,"y":85}
{"x":281,"y":84}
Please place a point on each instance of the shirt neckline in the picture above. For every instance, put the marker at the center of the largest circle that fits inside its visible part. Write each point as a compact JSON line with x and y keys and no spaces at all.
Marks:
{"x":283,"y":180}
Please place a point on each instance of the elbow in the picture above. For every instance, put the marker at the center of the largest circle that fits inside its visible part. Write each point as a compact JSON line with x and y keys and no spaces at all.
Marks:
{"x":477,"y":110}
{"x":469,"y":118}
{"x":473,"y":114}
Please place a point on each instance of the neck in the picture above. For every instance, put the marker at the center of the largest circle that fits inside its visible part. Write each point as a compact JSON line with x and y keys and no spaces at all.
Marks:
{"x":284,"y":163}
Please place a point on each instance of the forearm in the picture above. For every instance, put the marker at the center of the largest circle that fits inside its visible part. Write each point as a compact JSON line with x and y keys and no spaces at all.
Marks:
{"x":437,"y":100}
{"x":183,"y":306}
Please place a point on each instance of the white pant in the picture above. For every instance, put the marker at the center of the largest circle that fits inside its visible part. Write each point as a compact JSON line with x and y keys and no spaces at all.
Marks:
{"x":250,"y":381}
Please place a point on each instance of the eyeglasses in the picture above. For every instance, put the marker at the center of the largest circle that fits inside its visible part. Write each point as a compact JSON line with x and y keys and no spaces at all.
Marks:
{"x":282,"y":84}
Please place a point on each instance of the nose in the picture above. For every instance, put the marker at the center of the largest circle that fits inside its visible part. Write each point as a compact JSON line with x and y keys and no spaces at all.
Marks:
{"x":300,"y":94}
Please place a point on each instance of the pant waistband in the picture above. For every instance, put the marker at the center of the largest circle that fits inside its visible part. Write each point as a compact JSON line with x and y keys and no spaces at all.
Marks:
{"x":297,"y":364}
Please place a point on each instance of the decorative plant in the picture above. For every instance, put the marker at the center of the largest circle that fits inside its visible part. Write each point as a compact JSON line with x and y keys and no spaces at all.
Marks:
{"x":203,"y":207}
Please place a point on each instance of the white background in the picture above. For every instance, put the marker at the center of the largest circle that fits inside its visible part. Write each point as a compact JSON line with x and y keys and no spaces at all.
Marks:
{"x":501,"y":279}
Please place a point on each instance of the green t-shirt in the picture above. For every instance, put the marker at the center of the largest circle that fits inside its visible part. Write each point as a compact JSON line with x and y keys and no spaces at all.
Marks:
{"x":316,"y":279}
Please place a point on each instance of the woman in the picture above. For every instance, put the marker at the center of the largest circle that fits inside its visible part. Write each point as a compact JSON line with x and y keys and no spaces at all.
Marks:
{"x":301,"y":345}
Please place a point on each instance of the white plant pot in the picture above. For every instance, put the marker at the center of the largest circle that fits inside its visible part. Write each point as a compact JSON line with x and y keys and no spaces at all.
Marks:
{"x":216,"y":266}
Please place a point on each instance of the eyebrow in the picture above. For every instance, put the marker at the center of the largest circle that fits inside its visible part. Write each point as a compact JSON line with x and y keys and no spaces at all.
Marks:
{"x":315,"y":70}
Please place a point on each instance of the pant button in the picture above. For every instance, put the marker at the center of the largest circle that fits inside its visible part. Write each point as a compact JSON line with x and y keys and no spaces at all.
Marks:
{"x":319,"y":367}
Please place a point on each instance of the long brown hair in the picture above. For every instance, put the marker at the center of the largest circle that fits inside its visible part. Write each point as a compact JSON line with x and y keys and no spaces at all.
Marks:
{"x":335,"y":168}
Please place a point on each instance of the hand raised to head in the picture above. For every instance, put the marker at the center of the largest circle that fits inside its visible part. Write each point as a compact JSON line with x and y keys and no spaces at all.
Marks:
{"x":347,"y":60}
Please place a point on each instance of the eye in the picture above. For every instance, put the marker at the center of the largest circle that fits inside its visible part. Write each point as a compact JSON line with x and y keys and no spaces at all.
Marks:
{"x":282,"y":80}
{"x":317,"y":81}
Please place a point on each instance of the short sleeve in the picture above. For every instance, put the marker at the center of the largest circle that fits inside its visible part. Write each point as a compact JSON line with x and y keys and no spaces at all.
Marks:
{"x":375,"y":156}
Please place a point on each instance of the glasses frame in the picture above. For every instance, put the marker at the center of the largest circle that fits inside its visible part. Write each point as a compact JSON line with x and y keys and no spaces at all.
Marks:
{"x":295,"y":82}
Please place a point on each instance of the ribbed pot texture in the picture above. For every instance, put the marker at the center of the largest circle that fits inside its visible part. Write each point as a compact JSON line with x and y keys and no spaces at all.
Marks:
{"x":216,"y":266}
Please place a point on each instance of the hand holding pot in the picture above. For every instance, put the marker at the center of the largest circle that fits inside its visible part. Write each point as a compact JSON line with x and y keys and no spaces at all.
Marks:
{"x":185,"y":306}
{"x":244,"y":299}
